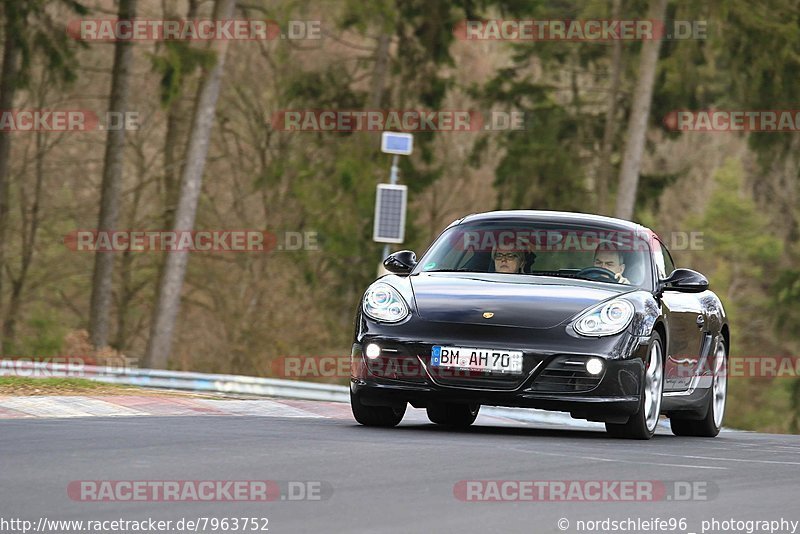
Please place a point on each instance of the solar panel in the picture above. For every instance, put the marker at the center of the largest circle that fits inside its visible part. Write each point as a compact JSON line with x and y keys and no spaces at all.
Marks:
{"x":390,"y":213}
{"x":397,"y":143}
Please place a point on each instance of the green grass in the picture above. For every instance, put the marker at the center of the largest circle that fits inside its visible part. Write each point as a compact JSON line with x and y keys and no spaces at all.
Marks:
{"x":14,"y":385}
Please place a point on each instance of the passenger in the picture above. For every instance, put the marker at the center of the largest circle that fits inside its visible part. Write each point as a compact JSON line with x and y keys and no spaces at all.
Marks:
{"x":606,"y":256}
{"x":507,"y":260}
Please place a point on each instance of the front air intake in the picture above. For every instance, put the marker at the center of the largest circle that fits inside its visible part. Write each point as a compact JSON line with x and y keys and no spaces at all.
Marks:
{"x":566,"y":374}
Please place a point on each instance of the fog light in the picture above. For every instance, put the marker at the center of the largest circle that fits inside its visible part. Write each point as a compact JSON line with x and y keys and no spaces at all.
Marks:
{"x":594,"y":366}
{"x":372,"y":351}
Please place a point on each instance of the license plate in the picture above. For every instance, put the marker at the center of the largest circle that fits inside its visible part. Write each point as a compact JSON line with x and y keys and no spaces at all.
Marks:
{"x":472,"y":359}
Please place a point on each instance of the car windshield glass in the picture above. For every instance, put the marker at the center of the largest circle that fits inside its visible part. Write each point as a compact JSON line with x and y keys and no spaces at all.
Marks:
{"x":580,"y":252}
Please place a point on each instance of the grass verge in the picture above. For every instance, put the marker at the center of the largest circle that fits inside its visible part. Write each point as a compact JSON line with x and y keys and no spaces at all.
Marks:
{"x":21,"y":386}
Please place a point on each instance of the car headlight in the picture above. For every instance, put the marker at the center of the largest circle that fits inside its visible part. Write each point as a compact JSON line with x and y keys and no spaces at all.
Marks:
{"x":382,"y":302}
{"x":605,"y":319}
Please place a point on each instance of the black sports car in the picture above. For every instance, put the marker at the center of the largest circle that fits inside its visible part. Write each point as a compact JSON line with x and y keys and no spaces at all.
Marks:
{"x":559,"y":311}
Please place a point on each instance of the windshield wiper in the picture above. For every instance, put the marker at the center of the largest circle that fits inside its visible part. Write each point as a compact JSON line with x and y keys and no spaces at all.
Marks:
{"x":563,"y":273}
{"x":574,"y":273}
{"x":452,"y":271}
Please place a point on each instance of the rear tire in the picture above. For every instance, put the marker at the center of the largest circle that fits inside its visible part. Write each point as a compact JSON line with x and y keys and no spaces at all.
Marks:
{"x":382,"y":416}
{"x":709,"y":426}
{"x":454,"y":415}
{"x":642,"y":425}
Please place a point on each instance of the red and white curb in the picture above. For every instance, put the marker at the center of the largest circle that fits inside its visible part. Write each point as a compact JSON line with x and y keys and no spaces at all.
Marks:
{"x":131,"y":406}
{"x":57,"y":407}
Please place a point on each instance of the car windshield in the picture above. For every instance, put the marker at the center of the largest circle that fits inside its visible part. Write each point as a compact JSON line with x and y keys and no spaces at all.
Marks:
{"x":535,"y":249}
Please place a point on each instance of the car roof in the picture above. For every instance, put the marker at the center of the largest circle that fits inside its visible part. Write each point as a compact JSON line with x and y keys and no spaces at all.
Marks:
{"x":559,"y":217}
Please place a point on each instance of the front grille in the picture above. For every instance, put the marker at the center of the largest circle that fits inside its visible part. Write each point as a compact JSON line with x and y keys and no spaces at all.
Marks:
{"x":401,"y":362}
{"x":479,"y":380}
{"x":566,"y":374}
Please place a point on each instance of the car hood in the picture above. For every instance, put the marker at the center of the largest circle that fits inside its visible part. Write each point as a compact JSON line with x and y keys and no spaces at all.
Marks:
{"x":515,"y":300}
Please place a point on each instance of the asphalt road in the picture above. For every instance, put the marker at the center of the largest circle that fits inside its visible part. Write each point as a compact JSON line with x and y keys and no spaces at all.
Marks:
{"x":390,"y":480}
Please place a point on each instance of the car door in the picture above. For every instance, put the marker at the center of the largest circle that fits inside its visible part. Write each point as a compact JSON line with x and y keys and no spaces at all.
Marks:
{"x":685,"y":327}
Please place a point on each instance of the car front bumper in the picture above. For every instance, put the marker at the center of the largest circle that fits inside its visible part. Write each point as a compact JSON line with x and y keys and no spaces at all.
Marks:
{"x":552,"y":378}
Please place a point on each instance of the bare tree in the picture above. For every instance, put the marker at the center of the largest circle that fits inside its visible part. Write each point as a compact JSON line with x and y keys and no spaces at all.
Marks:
{"x":178,"y":107}
{"x":610,"y":127}
{"x":8,"y":88}
{"x":381,"y":67}
{"x":640,"y":113}
{"x":102,"y":280}
{"x":31,"y":217}
{"x":162,"y":327}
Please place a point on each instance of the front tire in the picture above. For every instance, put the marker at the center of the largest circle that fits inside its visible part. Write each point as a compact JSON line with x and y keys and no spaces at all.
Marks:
{"x":381,"y":416}
{"x":709,"y":426}
{"x":454,"y":415}
{"x":642,"y":425}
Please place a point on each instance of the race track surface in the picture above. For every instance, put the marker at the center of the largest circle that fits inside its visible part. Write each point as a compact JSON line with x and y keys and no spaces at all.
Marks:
{"x":406,"y":479}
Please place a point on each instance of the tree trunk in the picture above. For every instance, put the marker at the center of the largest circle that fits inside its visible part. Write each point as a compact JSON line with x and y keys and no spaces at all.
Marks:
{"x":175,"y":135}
{"x":610,"y":127}
{"x":127,"y":287}
{"x":640,"y":113}
{"x":168,"y":299}
{"x":100,"y":312}
{"x":28,"y":247}
{"x":379,"y":74}
{"x":8,"y":87}
{"x":174,"y":143}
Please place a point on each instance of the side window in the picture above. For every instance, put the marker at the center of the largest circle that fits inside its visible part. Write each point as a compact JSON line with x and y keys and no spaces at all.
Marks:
{"x":668,"y":263}
{"x":662,"y":259}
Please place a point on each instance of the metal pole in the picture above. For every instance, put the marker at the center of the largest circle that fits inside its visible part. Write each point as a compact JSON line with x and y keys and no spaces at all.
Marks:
{"x":395,"y":170}
{"x":393,"y":175}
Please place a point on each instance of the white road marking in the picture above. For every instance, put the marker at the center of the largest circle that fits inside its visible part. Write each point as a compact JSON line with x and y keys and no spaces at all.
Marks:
{"x":598,"y":459}
{"x":260,"y":408}
{"x":779,"y":462}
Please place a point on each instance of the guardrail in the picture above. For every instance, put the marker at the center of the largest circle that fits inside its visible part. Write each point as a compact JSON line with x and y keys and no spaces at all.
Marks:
{"x":245,"y":385}
{"x":185,"y":381}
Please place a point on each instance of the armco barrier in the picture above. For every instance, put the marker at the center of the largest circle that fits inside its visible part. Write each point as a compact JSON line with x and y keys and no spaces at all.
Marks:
{"x":187,"y":381}
{"x":250,"y":385}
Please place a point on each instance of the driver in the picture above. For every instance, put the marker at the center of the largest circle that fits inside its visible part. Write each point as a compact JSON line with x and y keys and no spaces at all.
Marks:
{"x":606,"y":256}
{"x":507,"y":260}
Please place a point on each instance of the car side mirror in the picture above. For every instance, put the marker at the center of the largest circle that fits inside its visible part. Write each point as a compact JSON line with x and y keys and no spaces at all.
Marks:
{"x":402,"y":262}
{"x":684,"y":280}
